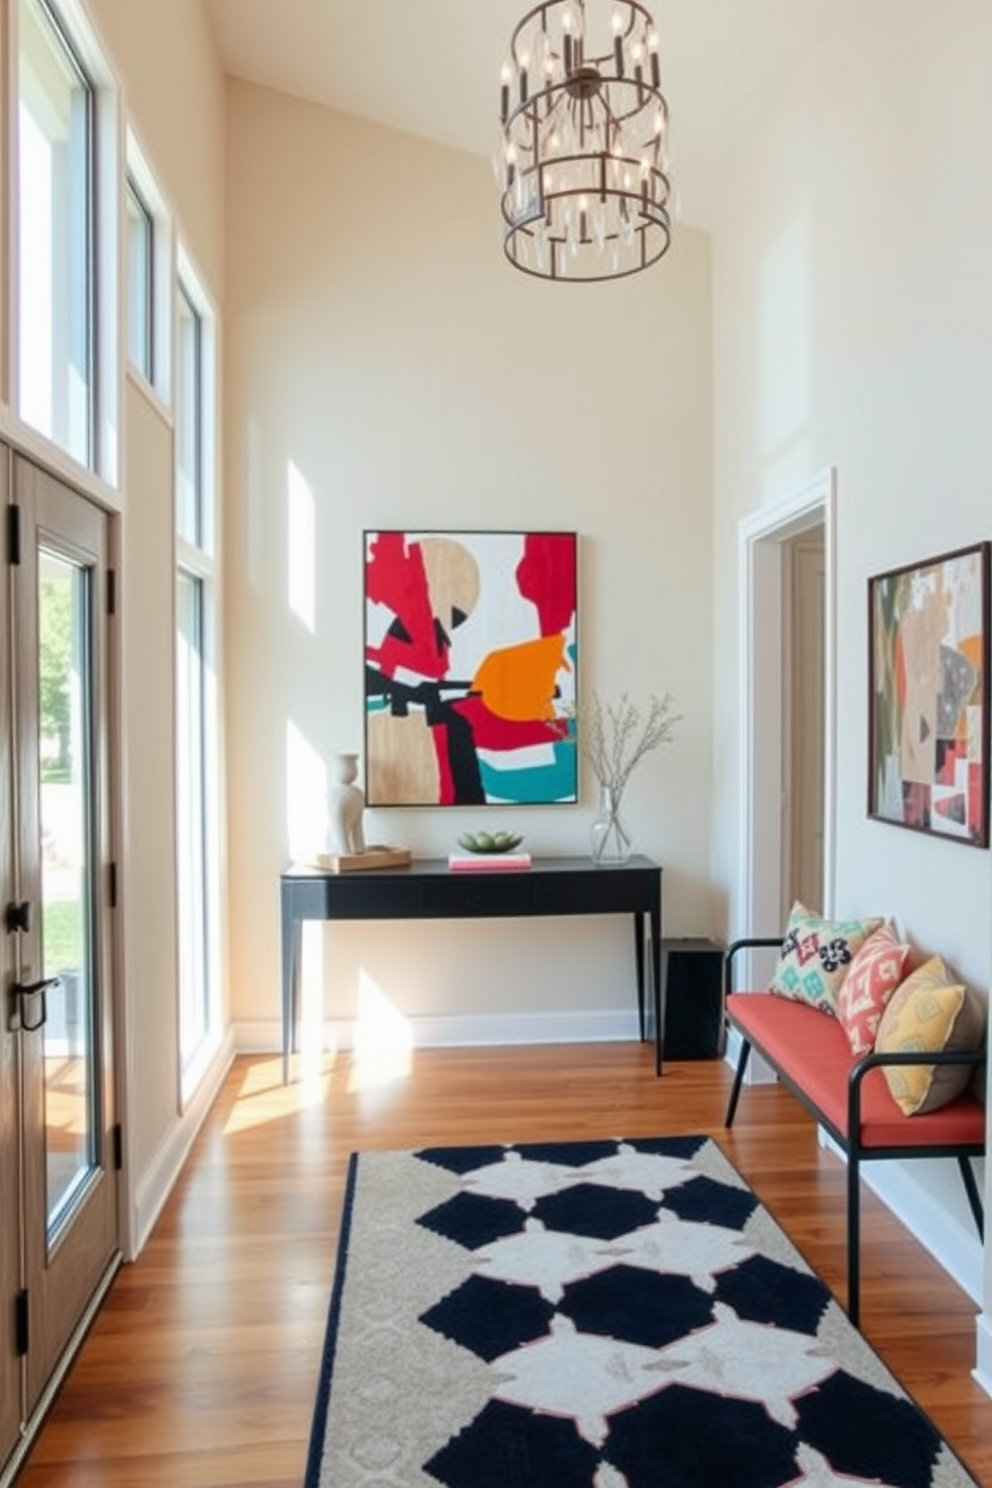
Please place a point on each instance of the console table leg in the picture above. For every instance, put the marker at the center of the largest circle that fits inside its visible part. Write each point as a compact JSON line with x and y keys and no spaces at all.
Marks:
{"x":659,"y":1011}
{"x":290,"y":964}
{"x":639,"y":959}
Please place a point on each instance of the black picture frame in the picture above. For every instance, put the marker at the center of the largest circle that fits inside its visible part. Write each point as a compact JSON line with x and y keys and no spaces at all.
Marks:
{"x":928,"y":704}
{"x":470,"y":644}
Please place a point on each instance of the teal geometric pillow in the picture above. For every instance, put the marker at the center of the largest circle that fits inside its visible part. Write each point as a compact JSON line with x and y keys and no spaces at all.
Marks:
{"x":816,"y":955}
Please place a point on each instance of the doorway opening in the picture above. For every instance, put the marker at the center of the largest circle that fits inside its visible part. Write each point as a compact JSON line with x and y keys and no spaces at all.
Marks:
{"x":787,"y":708}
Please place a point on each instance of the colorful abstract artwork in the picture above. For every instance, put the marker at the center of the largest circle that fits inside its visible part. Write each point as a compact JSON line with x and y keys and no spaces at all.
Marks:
{"x":929,"y":723}
{"x":470,"y":667}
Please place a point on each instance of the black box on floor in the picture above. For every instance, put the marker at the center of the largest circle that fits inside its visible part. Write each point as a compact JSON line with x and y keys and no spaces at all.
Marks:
{"x":692,"y":980}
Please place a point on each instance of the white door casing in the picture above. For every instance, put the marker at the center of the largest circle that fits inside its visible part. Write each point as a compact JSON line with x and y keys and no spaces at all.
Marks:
{"x":762,"y":588}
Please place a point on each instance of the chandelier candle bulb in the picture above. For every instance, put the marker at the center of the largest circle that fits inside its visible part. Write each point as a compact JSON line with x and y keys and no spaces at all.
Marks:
{"x":504,"y":93}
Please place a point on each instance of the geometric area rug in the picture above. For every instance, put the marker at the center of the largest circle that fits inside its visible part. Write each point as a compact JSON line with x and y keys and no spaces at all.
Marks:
{"x":602,"y":1314}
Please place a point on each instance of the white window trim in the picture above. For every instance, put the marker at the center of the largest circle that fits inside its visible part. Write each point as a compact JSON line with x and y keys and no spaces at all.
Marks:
{"x":187,"y":276}
{"x":105,"y":456}
{"x":201,"y":562}
{"x":163,"y":275}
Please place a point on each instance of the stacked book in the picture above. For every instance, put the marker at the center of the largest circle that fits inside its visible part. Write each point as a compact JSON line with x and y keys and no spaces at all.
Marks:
{"x":487,"y":862}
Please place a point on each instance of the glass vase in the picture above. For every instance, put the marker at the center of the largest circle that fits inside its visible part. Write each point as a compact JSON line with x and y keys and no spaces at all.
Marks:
{"x":609,"y":839}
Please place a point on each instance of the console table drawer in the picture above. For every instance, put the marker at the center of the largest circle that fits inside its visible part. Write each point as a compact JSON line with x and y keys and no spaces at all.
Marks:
{"x":571,"y":893}
{"x":362,"y":896}
{"x":484,"y":892}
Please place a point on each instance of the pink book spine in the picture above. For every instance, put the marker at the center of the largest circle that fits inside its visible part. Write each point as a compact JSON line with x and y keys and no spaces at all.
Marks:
{"x":498,"y":863}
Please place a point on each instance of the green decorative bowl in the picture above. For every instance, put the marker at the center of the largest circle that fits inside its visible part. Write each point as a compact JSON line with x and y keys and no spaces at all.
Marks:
{"x":490,"y":842}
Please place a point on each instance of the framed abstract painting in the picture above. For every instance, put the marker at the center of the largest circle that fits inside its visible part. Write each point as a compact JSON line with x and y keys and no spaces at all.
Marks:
{"x":470,"y":668}
{"x":928,"y":626}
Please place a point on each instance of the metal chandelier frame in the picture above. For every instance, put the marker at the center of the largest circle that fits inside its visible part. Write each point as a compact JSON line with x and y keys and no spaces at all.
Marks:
{"x":582,"y":161}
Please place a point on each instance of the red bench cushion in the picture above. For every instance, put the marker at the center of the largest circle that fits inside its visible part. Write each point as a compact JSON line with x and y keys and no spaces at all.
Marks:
{"x":812,"y":1049}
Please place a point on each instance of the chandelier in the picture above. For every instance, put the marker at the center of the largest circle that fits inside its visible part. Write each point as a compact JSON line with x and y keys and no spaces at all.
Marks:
{"x":583,"y":129}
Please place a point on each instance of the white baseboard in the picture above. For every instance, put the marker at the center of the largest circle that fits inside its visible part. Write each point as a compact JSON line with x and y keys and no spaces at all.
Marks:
{"x":264,"y":1035}
{"x":948,"y":1234}
{"x":982,"y":1371}
{"x":158,"y":1178}
{"x":951,"y":1241}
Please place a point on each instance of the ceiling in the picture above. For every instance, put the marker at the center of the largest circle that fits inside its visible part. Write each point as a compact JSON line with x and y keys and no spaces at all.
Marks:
{"x":431,"y":67}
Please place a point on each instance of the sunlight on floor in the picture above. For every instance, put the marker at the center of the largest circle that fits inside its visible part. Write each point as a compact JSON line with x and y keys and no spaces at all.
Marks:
{"x":263,"y":1097}
{"x":383,"y":1039}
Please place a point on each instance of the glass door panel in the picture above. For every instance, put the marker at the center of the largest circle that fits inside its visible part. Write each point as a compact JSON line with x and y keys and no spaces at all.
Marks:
{"x":66,"y":812}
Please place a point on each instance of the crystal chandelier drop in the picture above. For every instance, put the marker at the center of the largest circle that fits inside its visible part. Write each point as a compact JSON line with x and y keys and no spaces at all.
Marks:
{"x":582,"y":161}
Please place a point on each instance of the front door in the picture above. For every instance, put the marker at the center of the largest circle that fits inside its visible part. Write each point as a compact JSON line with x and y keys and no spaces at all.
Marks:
{"x":60,"y":1016}
{"x":10,"y":1206}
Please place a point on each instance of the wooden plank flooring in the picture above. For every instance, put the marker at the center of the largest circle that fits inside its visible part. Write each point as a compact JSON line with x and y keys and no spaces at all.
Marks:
{"x":200,"y":1370}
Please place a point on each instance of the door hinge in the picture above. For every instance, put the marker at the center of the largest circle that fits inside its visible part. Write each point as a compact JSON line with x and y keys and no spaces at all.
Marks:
{"x":13,"y":534}
{"x":17,"y":916}
{"x":118,"y":1141}
{"x":111,"y":591}
{"x":21,"y":1329}
{"x":112,"y":885}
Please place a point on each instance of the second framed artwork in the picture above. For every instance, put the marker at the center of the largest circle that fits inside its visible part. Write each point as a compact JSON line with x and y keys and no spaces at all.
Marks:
{"x":470,"y":667}
{"x":928,"y":626}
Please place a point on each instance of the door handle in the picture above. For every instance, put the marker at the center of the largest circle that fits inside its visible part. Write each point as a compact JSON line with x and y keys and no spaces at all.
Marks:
{"x":24,"y":992}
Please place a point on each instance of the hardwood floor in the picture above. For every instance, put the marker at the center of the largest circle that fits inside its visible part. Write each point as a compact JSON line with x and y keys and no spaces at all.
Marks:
{"x":200,"y":1370}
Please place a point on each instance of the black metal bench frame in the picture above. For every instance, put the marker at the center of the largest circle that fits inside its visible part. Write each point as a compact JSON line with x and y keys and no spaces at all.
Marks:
{"x":850,"y":1141}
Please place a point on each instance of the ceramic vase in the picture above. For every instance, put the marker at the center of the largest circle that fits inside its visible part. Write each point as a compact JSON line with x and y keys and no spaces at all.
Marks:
{"x":345,"y":804}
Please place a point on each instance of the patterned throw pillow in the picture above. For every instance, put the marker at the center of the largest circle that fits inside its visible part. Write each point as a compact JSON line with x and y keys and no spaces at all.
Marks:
{"x":816,"y":955}
{"x":927,"y":1013}
{"x":875,"y":973}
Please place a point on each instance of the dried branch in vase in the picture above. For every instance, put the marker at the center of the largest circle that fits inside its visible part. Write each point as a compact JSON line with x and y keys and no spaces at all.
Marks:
{"x":615,"y":737}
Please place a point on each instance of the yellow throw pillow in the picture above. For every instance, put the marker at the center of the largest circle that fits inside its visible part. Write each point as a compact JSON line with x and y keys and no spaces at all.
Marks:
{"x":926,"y":1014}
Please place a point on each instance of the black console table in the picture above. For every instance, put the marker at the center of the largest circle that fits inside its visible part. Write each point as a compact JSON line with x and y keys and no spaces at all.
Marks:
{"x":429,"y":889}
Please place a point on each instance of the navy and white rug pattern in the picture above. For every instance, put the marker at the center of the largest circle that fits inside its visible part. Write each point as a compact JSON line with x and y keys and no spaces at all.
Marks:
{"x":604,"y":1314}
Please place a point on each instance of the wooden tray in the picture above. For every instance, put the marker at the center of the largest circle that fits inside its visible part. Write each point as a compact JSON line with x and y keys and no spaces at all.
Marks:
{"x":372,"y":857}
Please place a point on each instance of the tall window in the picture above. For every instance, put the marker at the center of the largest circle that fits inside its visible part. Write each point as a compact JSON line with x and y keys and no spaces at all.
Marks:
{"x":189,"y":422}
{"x":150,"y":275}
{"x":140,"y":280}
{"x":56,"y":216}
{"x":196,"y":743}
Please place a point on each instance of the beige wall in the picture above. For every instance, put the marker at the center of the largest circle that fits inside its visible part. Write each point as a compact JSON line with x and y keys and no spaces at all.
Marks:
{"x":853,"y":320}
{"x":853,"y":315}
{"x":149,"y":767}
{"x":383,"y":359}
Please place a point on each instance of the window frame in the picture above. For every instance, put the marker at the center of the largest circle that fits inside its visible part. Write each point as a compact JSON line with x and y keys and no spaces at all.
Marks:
{"x":81,"y":258}
{"x":196,"y":560}
{"x":75,"y":32}
{"x":140,"y":178}
{"x":139,"y":297}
